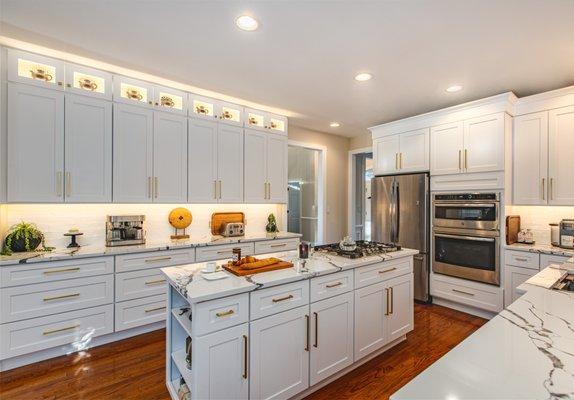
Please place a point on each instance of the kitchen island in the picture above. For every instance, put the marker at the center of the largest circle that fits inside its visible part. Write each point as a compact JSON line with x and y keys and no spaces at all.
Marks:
{"x":525,"y":352}
{"x":284,"y":333}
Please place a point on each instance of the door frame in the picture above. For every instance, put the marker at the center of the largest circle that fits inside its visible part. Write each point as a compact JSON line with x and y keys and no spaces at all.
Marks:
{"x":351,"y":200}
{"x":322,"y":189}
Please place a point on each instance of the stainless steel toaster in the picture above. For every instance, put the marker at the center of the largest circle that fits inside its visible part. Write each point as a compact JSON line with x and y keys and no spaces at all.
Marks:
{"x":232,"y":229}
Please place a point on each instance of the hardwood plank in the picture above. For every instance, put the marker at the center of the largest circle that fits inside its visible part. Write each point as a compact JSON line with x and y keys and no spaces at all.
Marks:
{"x":135,"y":368}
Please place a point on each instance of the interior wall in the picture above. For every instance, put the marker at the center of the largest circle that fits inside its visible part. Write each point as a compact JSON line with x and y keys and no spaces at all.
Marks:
{"x":361,"y":141}
{"x":336,"y":177}
{"x":537,"y":218}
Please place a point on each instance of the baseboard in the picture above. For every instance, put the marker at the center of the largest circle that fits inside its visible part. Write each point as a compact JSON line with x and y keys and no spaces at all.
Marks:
{"x":42,"y":355}
{"x":464,"y":308}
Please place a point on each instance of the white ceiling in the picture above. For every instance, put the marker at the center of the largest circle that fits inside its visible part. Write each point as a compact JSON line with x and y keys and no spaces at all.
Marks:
{"x":305,"y":54}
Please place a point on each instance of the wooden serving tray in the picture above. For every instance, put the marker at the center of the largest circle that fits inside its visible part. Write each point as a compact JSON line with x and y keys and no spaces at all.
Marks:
{"x":238,"y":271}
{"x":218,"y":219}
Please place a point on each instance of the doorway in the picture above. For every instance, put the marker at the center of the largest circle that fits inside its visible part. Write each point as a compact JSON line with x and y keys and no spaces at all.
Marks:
{"x":306,"y":188}
{"x":360,"y":175}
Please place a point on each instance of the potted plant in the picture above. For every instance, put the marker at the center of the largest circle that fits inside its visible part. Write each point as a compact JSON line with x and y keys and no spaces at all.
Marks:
{"x":271,"y":227}
{"x":24,"y":237}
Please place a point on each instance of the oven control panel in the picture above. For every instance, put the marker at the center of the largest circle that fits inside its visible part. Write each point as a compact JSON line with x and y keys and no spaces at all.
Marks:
{"x":466,"y":196}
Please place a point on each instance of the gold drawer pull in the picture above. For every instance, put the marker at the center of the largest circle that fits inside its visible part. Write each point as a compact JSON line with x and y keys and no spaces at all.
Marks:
{"x":154,"y":309}
{"x":387,"y":312}
{"x":57,"y":271}
{"x":334,"y":284}
{"x":158,"y":259}
{"x":521,"y":259}
{"x":223,"y":252}
{"x":68,"y":328}
{"x":278,"y":245}
{"x":66,"y":296}
{"x":156,"y":282}
{"x":387,"y":270}
{"x":282,"y":298}
{"x":463,"y":292}
{"x":245,"y":355}
{"x":224,"y":313}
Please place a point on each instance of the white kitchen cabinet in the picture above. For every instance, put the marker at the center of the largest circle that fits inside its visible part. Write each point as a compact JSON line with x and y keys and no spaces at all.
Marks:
{"x":226,"y":352}
{"x":400,"y":311}
{"x":169,"y":158}
{"x":370,"y":319}
{"x":484,"y":143}
{"x":332,"y":327}
{"x":230,"y":164}
{"x":277,"y":169}
{"x":446,"y":149}
{"x":514,"y":277}
{"x":35,"y":144}
{"x":88,"y":150}
{"x":547,"y":259}
{"x":530,"y":157}
{"x":279,"y":355}
{"x":88,"y":81}
{"x":264,"y":121}
{"x":202,"y":162}
{"x":560,"y":159}
{"x":132,"y":154}
{"x":133,"y":91}
{"x":34,"y":69}
{"x":386,"y":155}
{"x":402,"y":153}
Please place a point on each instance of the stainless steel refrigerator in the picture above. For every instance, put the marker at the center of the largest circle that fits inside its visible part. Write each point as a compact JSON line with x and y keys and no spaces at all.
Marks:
{"x":400,"y":214}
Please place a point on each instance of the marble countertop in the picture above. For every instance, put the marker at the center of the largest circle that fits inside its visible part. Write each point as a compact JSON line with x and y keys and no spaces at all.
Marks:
{"x":525,"y":352}
{"x":98,"y":251}
{"x":542,"y":248}
{"x":190,"y":282}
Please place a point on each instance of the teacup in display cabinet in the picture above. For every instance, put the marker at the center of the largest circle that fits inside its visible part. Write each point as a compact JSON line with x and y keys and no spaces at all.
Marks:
{"x":88,"y":81}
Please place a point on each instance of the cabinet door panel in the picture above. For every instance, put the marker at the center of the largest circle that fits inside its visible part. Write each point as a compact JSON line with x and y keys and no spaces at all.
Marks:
{"x":35,"y":144}
{"x":331,"y":336}
{"x":230,"y":163}
{"x":531,"y":159}
{"x":414,"y":151}
{"x":202,"y":162}
{"x":484,"y":143}
{"x":133,"y":154}
{"x":88,"y":149}
{"x":255,"y":166}
{"x":170,"y":158}
{"x":385,"y":154}
{"x":446,"y":149}
{"x":277,"y":168}
{"x":514,"y":277}
{"x":370,"y":323}
{"x":401,"y":307}
{"x":278,"y":359}
{"x":561,"y":161}
{"x":220,"y":359}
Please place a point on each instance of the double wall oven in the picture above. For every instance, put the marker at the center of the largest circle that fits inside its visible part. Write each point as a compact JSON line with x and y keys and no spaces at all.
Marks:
{"x":466,"y":236}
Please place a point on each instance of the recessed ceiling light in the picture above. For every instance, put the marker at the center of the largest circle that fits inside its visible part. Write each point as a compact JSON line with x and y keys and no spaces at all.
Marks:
{"x":334,"y":124}
{"x":453,"y":88}
{"x":246,"y":23}
{"x":362,"y":77}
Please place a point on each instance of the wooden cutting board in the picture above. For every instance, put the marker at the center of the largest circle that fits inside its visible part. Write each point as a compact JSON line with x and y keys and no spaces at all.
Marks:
{"x":218,"y":219}
{"x":512,"y":228}
{"x":237,"y":270}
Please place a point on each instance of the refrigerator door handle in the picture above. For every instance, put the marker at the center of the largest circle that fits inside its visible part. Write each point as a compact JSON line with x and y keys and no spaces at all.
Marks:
{"x":392,"y":210}
{"x":397,"y":212}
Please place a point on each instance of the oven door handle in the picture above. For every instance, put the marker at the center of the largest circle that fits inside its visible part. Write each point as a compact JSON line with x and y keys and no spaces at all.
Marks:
{"x":465,"y":205}
{"x":474,"y":238}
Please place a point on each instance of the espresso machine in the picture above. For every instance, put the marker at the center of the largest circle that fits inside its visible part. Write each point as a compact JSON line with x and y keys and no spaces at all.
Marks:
{"x":125,"y":230}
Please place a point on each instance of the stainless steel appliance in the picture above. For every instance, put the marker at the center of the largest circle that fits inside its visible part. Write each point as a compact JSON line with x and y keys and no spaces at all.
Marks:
{"x":363,"y":248}
{"x":466,"y":236}
{"x":400,"y":215}
{"x":567,"y":233}
{"x":125,"y":230}
{"x":232,"y":229}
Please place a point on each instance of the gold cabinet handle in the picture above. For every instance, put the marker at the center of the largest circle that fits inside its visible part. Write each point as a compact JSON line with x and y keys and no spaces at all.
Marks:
{"x":156,"y":187}
{"x":392,"y":300}
{"x":543,"y":188}
{"x":155,"y":282}
{"x":215,"y":189}
{"x":68,"y":184}
{"x":245,"y":355}
{"x":316,"y":330}
{"x":307,"y":333}
{"x":68,"y":328}
{"x":387,"y":270}
{"x":463,"y":292}
{"x":396,"y":160}
{"x":551,"y":189}
{"x":459,"y":160}
{"x":65,"y":296}
{"x":400,"y":160}
{"x":224,"y":313}
{"x":278,"y":245}
{"x":224,"y":251}
{"x":149,"y":260}
{"x":149,"y":187}
{"x":521,"y":259}
{"x":154,"y":309}
{"x":280,"y":299}
{"x":57,"y":271}
{"x":59,"y":184}
{"x":388,"y":301}
{"x":334,"y":285}
{"x":220,"y":190}
{"x":465,"y":159}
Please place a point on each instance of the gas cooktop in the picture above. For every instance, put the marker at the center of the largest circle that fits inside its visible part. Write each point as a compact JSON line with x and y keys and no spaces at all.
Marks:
{"x":566,"y":283}
{"x":364,"y":248}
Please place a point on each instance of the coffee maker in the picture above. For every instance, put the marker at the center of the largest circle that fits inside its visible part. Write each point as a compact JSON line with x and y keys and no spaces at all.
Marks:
{"x":125,"y":230}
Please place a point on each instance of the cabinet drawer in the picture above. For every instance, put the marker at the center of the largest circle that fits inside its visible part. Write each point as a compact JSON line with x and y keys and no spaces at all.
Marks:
{"x":28,"y":273}
{"x":522,"y":259}
{"x":327,"y":286}
{"x":210,"y":253}
{"x":273,"y":246}
{"x":482,"y":296}
{"x":55,"y":330}
{"x":148,"y":310}
{"x":155,"y":259}
{"x":219,"y":314}
{"x":136,"y":284}
{"x":547,"y":259}
{"x":279,"y":298}
{"x":33,"y":301}
{"x":379,"y":272}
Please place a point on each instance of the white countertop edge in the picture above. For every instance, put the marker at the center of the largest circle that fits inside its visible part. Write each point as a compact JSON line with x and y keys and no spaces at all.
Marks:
{"x":542,"y":248}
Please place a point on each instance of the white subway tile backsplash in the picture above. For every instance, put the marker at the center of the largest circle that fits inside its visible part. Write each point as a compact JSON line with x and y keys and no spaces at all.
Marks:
{"x":537,"y":218}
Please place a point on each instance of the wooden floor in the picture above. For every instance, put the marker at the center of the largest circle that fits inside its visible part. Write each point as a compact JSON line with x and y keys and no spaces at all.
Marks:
{"x":134,"y":368}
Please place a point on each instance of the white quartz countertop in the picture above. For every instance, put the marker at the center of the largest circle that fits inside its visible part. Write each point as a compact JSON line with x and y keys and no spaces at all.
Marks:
{"x":190,"y":282}
{"x":542,"y":248}
{"x":98,"y":251}
{"x":525,"y":352}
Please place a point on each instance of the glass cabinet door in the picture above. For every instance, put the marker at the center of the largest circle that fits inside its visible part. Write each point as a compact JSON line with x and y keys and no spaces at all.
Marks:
{"x":202,"y":107}
{"x":88,"y":81}
{"x":229,"y":113}
{"x":172,"y":100}
{"x":36,"y":70}
{"x":132,"y":91}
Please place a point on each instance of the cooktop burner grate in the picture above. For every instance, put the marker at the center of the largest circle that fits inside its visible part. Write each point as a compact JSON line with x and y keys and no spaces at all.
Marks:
{"x":364,"y":248}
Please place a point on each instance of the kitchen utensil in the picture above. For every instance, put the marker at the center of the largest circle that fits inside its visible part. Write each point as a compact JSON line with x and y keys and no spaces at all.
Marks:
{"x":124,"y":230}
{"x":555,"y":233}
{"x":528,"y":237}
{"x":180,"y":218}
{"x":229,"y":229}
{"x":237,"y":270}
{"x":567,"y":233}
{"x":218,"y":219}
{"x":210,"y":267}
{"x":512,"y":228}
